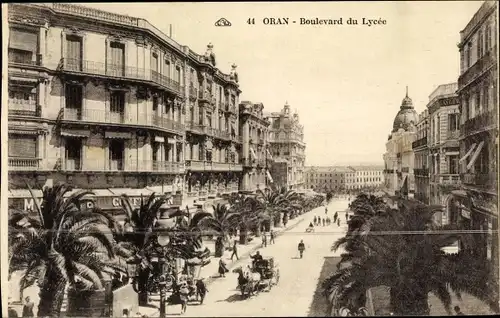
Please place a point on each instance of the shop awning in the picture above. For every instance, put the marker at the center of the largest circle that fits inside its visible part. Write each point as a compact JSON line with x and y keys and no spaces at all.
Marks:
{"x":468,"y":153}
{"x":75,"y":133}
{"x":475,"y":155}
{"x":24,"y":193}
{"x":24,"y":80}
{"x":132,"y":192}
{"x":117,"y":135}
{"x":24,"y":131}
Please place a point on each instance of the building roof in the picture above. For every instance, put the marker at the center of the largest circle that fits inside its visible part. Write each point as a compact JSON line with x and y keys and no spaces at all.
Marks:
{"x":367,"y":168}
{"x":406,"y":116}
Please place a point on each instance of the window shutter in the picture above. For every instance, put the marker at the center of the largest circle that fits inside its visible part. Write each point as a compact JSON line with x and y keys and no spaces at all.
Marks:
{"x":23,"y":40}
{"x":23,"y":146}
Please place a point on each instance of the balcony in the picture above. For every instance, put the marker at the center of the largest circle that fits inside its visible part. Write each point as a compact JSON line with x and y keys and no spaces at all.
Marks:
{"x":483,"y":64}
{"x":419,"y":143}
{"x":119,"y":71}
{"x":121,"y":118}
{"x":388,"y":171}
{"x":405,"y":170}
{"x":421,"y":172}
{"x":482,"y":122}
{"x":23,"y":59}
{"x":449,"y":179}
{"x":247,"y":162}
{"x":22,"y":107}
{"x":199,"y":165}
{"x":24,"y":164}
{"x":132,"y":165}
{"x":481,"y":180}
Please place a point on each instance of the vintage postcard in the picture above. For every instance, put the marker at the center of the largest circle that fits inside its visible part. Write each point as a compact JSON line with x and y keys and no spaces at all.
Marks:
{"x":239,"y":159}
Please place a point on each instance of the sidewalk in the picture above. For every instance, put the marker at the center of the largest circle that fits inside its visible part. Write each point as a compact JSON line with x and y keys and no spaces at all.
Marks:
{"x":210,"y":271}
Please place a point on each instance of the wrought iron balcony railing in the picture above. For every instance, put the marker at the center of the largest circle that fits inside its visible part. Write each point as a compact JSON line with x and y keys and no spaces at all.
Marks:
{"x":483,"y":180}
{"x":484,"y":121}
{"x":129,"y":165}
{"x":419,"y":142}
{"x":119,"y":70}
{"x":22,"y":107}
{"x":108,"y":117}
{"x":19,"y":163}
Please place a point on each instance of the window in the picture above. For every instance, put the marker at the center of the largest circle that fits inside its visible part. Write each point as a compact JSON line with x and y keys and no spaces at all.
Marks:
{"x":117,"y":58}
{"x":74,"y":100}
{"x":74,"y":53}
{"x":477,"y":103}
{"x":468,"y":55}
{"x":200,"y":117}
{"x":73,"y":154}
{"x":482,"y":163}
{"x":486,"y":98}
{"x":479,"y":44}
{"x":166,"y":69}
{"x":23,"y":46}
{"x":22,"y":146}
{"x":453,"y":165}
{"x":452,"y":122}
{"x":117,"y":102}
{"x":116,"y":154}
{"x":177,"y":74}
{"x":209,"y":120}
{"x":154,"y":63}
{"x":155,"y":104}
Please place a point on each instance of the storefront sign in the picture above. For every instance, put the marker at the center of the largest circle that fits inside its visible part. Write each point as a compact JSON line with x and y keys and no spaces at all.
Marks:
{"x":28,"y":204}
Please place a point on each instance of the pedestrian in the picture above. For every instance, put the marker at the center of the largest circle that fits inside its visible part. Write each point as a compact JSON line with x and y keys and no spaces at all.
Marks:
{"x":201,"y":290}
{"x":458,"y":311}
{"x":338,"y":222}
{"x":301,"y":248}
{"x":235,"y":251}
{"x":222,"y":268}
{"x":335,"y":216}
{"x":28,"y":308}
{"x":271,"y":234}
{"x":264,"y":240}
{"x":323,"y":221}
{"x":326,"y":210}
{"x":315,"y":221}
{"x":346,"y":216}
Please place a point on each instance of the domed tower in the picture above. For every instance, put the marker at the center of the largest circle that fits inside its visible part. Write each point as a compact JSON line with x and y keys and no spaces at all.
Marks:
{"x":407,"y":116}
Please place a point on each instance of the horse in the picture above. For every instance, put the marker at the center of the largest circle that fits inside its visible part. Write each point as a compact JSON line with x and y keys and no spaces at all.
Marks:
{"x":247,"y":281}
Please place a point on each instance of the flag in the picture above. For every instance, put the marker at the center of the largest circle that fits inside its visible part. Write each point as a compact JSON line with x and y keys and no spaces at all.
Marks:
{"x":269,"y":154}
{"x":252,"y":153}
{"x":269,"y":176}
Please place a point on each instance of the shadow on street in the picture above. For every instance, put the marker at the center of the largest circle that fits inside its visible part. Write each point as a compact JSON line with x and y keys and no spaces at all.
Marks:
{"x":319,"y":305}
{"x":233,"y":298}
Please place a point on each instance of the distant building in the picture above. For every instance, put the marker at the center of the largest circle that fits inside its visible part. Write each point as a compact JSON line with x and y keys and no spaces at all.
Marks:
{"x":366,"y":176}
{"x":340,"y":178}
{"x":286,"y":142}
{"x":256,"y":158}
{"x":399,"y":155}
{"x":421,"y":163}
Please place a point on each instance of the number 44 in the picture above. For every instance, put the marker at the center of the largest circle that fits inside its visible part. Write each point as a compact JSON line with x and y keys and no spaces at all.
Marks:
{"x":251,"y":21}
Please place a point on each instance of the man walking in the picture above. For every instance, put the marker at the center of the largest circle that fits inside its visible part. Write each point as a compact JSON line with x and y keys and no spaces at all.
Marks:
{"x":338,"y":222}
{"x":264,"y":240}
{"x":301,"y":248}
{"x":335,"y":216}
{"x":235,"y":251}
{"x":271,"y":234}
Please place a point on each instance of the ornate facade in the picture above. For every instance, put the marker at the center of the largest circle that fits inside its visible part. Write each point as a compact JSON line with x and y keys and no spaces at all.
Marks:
{"x":421,"y":164}
{"x":255,"y":157}
{"x":286,"y":140}
{"x":399,"y":157}
{"x":109,"y":102}
{"x":476,"y":205}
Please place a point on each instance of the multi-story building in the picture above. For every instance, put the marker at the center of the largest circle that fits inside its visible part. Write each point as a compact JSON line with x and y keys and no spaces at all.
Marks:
{"x":108,"y":101}
{"x":399,"y":153}
{"x":324,"y":179}
{"x":350,"y":179}
{"x":255,"y":157}
{"x":443,"y":144}
{"x":421,"y":151}
{"x":367,"y":176}
{"x":476,"y":206}
{"x":286,"y":141}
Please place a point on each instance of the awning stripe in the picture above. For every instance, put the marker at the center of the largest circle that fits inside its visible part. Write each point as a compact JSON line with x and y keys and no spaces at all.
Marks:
{"x":76,"y":133}
{"x":468,"y":153}
{"x":117,"y":135}
{"x":476,"y":155}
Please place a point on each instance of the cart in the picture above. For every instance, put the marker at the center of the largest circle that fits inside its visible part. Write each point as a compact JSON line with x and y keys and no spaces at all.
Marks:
{"x":269,"y":272}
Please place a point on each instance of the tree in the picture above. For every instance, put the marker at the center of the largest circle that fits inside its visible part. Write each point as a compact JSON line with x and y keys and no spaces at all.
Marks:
{"x":401,"y":249}
{"x":136,"y":235}
{"x":277,"y":202}
{"x":221,"y":222}
{"x":65,"y":243}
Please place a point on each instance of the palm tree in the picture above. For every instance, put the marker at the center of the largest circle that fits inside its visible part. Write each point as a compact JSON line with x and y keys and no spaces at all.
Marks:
{"x":249,"y":211}
{"x":136,"y":236}
{"x":221,"y":222}
{"x":64,"y":244}
{"x":273,"y":203}
{"x":411,"y":264}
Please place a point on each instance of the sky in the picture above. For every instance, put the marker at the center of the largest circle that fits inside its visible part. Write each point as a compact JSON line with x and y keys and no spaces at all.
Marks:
{"x":345,"y":81}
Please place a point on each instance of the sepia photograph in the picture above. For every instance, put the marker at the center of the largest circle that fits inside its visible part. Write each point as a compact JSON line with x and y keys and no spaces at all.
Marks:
{"x":250,"y":159}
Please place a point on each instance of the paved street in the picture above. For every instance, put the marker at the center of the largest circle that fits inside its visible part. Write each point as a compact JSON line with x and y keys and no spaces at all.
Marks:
{"x":293,"y":295}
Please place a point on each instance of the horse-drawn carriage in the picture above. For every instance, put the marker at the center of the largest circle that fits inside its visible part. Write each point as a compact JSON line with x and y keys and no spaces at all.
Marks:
{"x":263,"y":274}
{"x":269,"y":272}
